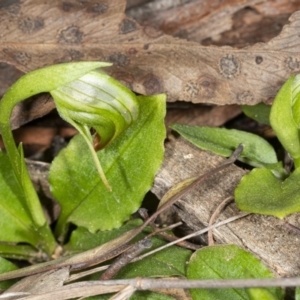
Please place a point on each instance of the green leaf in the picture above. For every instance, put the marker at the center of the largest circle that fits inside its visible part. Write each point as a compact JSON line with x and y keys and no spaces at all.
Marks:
{"x":15,"y":222}
{"x":6,"y":266}
{"x":226,"y":262}
{"x":259,"y":112}
{"x":261,"y":192}
{"x":260,"y":294}
{"x":284,"y":117}
{"x":129,"y":162}
{"x":20,"y":252}
{"x":297,"y":295}
{"x":257,"y":152}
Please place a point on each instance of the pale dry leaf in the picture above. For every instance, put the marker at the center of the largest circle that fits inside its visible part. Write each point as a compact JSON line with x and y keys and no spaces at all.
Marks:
{"x":124,"y":294}
{"x":39,"y":283}
{"x":209,"y":22}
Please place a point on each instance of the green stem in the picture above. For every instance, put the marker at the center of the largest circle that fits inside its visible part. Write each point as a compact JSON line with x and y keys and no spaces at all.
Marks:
{"x":22,"y":252}
{"x":297,"y":162}
{"x":97,"y":164}
{"x":85,"y":132}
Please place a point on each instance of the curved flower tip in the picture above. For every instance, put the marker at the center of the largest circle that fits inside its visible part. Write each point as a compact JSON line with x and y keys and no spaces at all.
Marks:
{"x":97,"y":101}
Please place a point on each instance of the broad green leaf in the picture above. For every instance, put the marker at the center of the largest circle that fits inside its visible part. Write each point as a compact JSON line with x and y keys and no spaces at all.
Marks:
{"x":257,"y":151}
{"x":129,"y":162}
{"x":261,"y":192}
{"x":6,"y":266}
{"x":15,"y":222}
{"x":259,"y":112}
{"x":284,"y":117}
{"x":226,"y":262}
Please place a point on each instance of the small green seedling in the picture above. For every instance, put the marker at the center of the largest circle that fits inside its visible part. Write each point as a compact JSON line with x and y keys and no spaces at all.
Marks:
{"x":268,"y":188}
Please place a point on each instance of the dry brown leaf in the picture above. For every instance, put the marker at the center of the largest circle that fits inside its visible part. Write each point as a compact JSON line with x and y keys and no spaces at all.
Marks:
{"x":39,"y":283}
{"x":228,"y":22}
{"x":35,"y":34}
{"x":76,"y":290}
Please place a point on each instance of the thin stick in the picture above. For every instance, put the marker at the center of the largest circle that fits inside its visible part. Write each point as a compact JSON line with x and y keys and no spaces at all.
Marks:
{"x":292,"y":227}
{"x":95,"y":270}
{"x":214,"y":217}
{"x":202,"y":178}
{"x":144,"y":284}
{"x":77,"y":276}
{"x":92,"y":288}
{"x":184,"y":244}
{"x":239,"y":216}
{"x":161,"y":232}
{"x":126,"y":258}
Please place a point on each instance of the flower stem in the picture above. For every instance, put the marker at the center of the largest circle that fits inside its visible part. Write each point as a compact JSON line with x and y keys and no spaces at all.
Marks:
{"x":85,"y":132}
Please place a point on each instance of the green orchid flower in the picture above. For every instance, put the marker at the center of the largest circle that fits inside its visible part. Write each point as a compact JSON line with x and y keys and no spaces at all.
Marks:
{"x":97,"y":101}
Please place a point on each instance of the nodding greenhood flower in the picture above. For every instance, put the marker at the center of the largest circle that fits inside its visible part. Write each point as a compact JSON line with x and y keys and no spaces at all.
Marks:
{"x":84,"y":97}
{"x":97,"y":101}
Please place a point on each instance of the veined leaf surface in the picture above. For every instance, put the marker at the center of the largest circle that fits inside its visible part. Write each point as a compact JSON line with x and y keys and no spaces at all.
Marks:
{"x":129,"y":162}
{"x":226,"y":262}
{"x":257,"y":151}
